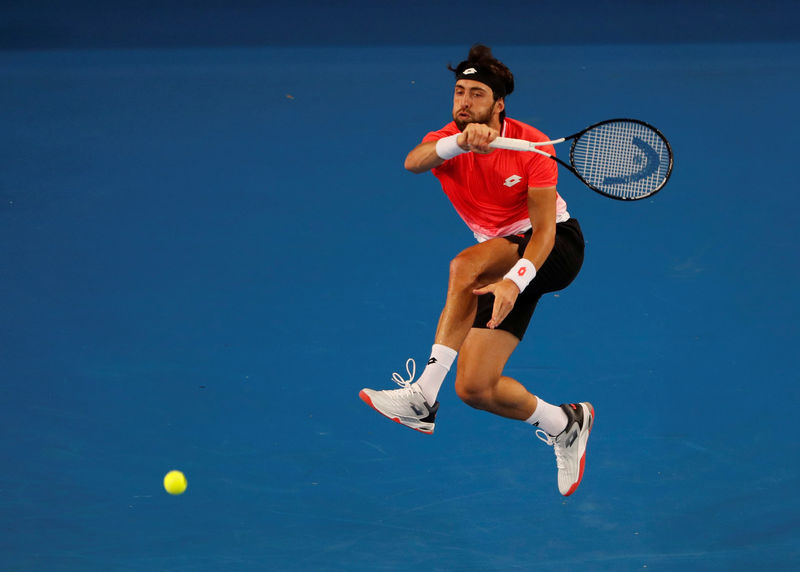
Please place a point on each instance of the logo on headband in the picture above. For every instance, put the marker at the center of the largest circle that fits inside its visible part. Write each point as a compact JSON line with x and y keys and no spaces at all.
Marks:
{"x":484,"y":75}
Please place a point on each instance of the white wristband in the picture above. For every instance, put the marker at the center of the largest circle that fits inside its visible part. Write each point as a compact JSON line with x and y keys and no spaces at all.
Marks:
{"x":447,"y":147}
{"x":522,"y":273}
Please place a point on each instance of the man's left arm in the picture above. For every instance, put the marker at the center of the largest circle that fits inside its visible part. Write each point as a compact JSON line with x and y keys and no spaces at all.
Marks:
{"x":542,"y":211}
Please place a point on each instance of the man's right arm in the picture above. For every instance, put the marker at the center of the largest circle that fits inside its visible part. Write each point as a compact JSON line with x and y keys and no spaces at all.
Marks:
{"x":423,"y":158}
{"x":476,"y":137}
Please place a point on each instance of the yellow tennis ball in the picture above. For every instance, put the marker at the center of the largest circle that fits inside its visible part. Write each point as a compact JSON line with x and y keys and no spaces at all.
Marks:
{"x":175,"y":482}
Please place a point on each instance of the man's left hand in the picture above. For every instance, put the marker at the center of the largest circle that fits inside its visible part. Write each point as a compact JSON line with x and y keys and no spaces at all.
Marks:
{"x":505,"y":295}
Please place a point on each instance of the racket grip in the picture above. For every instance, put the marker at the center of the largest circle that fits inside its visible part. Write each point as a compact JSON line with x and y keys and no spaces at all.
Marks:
{"x":512,"y":144}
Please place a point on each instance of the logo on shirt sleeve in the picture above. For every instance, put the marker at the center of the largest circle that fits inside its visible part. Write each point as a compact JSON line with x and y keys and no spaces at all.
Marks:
{"x":512,"y":180}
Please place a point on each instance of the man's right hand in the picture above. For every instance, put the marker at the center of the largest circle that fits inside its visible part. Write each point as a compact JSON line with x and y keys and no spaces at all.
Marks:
{"x":476,"y":138}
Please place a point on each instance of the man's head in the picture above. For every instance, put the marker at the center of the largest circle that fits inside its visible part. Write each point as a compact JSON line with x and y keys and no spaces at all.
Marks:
{"x":482,"y":84}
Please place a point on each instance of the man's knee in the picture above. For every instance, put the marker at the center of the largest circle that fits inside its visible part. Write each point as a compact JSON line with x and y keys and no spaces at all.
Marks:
{"x":465,"y":270}
{"x":474,"y":394}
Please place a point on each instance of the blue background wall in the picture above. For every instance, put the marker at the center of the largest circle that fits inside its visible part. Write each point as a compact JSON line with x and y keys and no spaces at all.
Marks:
{"x":210,"y":245}
{"x":34,"y":24}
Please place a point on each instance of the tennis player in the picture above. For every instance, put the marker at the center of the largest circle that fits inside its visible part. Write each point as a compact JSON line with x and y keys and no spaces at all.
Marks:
{"x":528,"y":245}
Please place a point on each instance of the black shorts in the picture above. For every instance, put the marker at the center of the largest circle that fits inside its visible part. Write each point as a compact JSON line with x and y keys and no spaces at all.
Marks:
{"x":557,"y":272}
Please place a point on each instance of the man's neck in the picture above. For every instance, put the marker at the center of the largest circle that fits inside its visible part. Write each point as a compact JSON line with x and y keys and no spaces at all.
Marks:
{"x":497,"y":124}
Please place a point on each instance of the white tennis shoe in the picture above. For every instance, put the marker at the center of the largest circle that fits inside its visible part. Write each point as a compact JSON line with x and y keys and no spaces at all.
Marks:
{"x":570,"y":445}
{"x":406,"y":405}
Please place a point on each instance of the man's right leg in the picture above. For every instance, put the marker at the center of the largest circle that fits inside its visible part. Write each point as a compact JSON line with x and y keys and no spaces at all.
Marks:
{"x":415,"y":405}
{"x":473,"y":268}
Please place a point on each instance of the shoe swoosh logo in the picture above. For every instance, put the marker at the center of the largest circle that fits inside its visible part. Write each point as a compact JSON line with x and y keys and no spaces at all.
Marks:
{"x":572,"y":436}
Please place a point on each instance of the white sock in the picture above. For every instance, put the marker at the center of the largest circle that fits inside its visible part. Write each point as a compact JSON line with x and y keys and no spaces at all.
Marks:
{"x":549,"y":418}
{"x":431,"y":380}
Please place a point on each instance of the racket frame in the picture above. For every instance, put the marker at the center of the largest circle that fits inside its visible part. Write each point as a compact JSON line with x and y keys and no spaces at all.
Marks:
{"x":511,"y":144}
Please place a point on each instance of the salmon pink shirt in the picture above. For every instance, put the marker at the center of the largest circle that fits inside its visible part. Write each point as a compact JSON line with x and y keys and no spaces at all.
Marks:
{"x":490,"y":191}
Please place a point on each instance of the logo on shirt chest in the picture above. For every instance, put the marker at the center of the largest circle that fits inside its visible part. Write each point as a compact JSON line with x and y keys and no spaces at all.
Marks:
{"x":512,"y":180}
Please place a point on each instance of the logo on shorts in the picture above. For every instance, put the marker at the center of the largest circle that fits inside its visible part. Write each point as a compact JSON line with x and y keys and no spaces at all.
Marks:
{"x":512,"y":180}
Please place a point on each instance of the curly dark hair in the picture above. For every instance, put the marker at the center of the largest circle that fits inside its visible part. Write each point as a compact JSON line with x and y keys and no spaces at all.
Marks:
{"x":481,"y":56}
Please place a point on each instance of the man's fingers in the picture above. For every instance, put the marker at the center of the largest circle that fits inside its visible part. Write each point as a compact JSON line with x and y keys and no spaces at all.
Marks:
{"x":499,"y":312}
{"x":477,"y":137}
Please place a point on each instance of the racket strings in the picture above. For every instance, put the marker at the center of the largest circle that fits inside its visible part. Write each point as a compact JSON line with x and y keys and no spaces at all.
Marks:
{"x":624,"y":159}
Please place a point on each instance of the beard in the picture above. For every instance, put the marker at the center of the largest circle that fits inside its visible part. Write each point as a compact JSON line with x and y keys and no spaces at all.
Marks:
{"x":483,"y":118}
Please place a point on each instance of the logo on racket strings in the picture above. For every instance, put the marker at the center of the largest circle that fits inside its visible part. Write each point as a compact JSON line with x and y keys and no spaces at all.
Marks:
{"x":651,"y":163}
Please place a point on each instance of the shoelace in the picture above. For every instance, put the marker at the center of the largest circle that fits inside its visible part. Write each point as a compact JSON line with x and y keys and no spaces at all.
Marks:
{"x":543,"y":436}
{"x":411,"y":371}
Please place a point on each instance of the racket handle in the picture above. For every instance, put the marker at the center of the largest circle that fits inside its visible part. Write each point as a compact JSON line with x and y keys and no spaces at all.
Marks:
{"x":512,"y":144}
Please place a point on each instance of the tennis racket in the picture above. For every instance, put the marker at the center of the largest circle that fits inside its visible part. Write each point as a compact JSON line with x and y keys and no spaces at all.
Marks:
{"x":625,"y":159}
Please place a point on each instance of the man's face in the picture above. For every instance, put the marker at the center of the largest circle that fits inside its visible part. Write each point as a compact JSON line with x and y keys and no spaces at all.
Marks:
{"x":473,"y":102}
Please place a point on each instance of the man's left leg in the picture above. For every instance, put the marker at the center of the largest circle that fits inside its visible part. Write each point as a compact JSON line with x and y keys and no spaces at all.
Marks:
{"x":481,"y":384}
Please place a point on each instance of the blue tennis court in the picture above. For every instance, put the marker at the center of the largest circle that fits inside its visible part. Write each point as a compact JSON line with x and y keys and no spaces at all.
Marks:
{"x":208,"y":250}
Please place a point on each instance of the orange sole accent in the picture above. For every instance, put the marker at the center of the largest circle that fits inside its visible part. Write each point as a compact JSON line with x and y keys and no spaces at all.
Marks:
{"x":574,"y":487}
